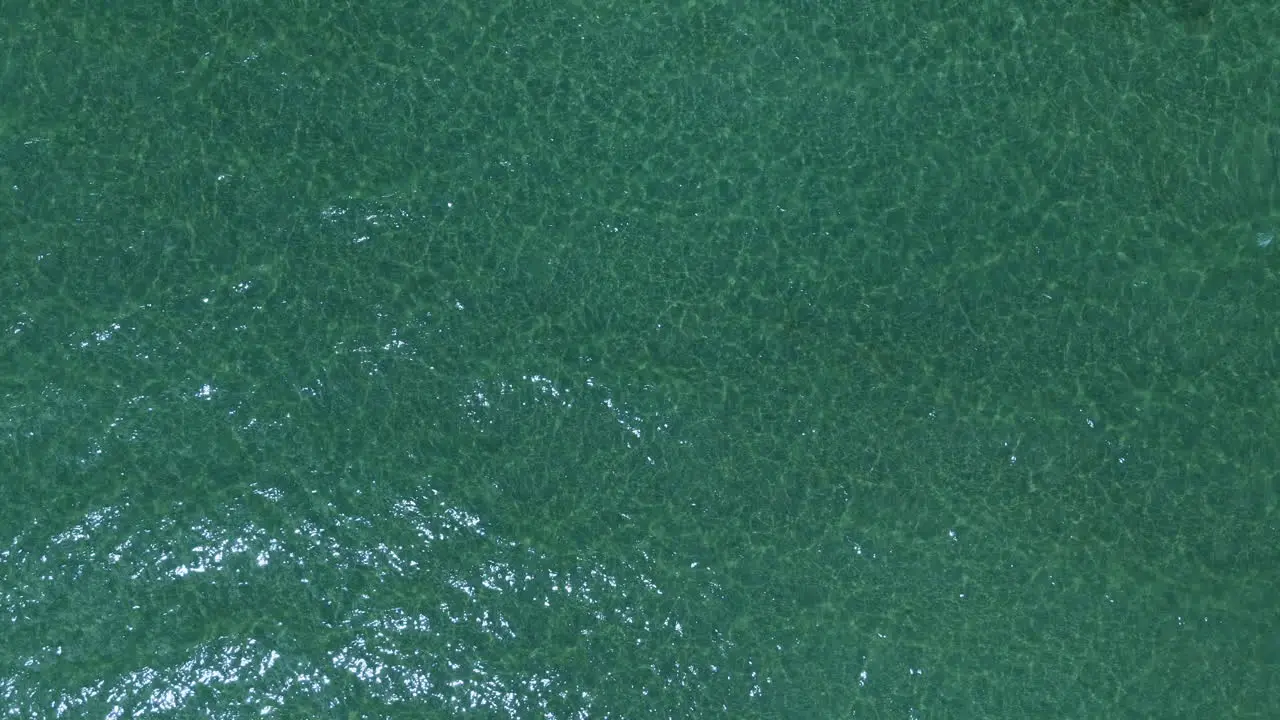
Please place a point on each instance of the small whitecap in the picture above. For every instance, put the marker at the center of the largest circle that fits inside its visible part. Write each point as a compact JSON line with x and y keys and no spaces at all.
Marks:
{"x":1265,"y":238}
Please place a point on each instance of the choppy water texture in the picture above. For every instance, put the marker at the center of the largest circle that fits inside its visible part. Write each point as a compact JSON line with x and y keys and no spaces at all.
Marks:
{"x":643,"y":360}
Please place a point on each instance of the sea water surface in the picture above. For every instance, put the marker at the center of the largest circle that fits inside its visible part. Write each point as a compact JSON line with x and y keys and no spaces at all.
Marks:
{"x":639,"y":360}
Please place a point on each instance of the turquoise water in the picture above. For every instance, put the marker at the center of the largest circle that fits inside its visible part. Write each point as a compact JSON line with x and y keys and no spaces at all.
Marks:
{"x":678,"y":360}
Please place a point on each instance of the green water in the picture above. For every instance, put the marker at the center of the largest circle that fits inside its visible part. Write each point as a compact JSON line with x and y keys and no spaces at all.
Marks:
{"x":640,"y":360}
